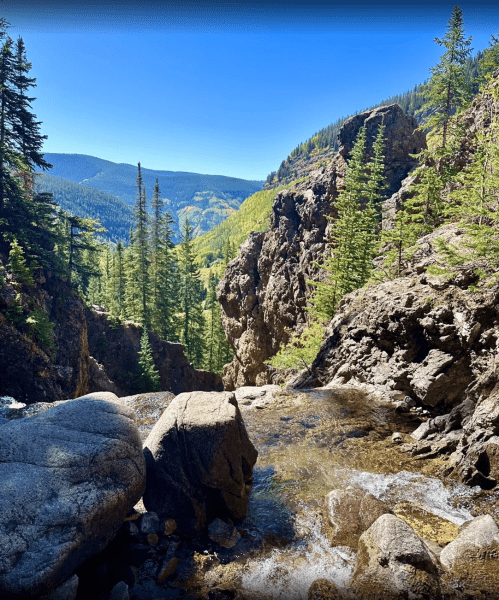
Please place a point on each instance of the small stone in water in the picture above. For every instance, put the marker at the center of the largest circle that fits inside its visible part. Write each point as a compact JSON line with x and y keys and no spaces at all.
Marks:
{"x":397,"y":438}
{"x":152,"y":539}
{"x":223,"y":533}
{"x":170,"y":526}
{"x":149,"y":522}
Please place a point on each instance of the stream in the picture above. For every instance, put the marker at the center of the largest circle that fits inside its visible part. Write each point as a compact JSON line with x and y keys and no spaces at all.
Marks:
{"x":310,"y":443}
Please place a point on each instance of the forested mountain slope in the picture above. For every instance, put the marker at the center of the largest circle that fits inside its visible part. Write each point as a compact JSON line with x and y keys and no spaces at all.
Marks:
{"x":204,"y":199}
{"x":114,"y":214}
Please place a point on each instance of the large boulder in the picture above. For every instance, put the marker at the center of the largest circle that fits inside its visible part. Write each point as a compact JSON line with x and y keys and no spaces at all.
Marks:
{"x":350,"y":512}
{"x":393,"y":563}
{"x":199,"y":461}
{"x":68,"y":477}
{"x":473,"y":557}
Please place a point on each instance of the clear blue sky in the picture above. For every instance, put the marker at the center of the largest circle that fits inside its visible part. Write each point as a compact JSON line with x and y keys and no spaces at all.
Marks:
{"x":226,"y":88}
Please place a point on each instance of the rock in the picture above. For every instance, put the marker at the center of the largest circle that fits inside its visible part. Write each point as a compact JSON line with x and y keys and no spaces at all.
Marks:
{"x":66,"y":591}
{"x":323,"y":589}
{"x":170,"y":527}
{"x":68,"y":478}
{"x":119,"y":592}
{"x":393,"y":563}
{"x":397,"y":438}
{"x":148,"y":407}
{"x":473,"y":557}
{"x":115,"y":346}
{"x":222,"y":533}
{"x":170,"y":563}
{"x":199,"y":461}
{"x":149,"y":523}
{"x":265,"y":290}
{"x":350,"y":512}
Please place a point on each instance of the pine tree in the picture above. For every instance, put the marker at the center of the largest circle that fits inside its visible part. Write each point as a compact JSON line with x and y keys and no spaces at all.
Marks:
{"x":217,"y":350}
{"x":489,"y":61}
{"x":191,"y":298}
{"x":142,"y":248}
{"x":148,"y":376}
{"x":17,"y":264}
{"x":448,"y":88}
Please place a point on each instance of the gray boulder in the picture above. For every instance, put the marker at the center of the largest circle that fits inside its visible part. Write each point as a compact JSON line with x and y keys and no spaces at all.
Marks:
{"x":393,"y":563}
{"x":350,"y":512}
{"x":199,"y":461}
{"x":68,"y":477}
{"x":473,"y":557}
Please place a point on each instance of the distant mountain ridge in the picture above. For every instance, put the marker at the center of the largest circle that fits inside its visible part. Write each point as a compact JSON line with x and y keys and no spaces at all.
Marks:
{"x":205,"y":199}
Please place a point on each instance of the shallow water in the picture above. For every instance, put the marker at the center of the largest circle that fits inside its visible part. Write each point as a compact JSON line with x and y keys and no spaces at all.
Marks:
{"x":310,"y":443}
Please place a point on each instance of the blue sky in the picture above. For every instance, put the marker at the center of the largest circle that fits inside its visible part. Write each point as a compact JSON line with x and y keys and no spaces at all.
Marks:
{"x":222,"y":88}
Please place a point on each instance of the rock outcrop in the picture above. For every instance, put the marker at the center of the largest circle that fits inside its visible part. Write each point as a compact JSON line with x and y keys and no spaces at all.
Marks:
{"x":264,"y":291}
{"x":32,"y":371}
{"x":68,"y":477}
{"x":199,"y":461}
{"x":114,"y":348}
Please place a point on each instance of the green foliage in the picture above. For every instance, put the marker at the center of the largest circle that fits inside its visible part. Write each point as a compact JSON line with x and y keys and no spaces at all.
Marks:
{"x":253,"y":215}
{"x":301,"y":350}
{"x":217,"y":350}
{"x":17,"y":264}
{"x":354,"y":230}
{"x":191,"y":296}
{"x":489,"y":61}
{"x":148,"y":376}
{"x":40,"y":328}
{"x":449,"y":87}
{"x":74,"y":198}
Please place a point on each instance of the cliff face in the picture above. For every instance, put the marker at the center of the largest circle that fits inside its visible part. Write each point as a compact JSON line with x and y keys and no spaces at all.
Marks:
{"x":89,"y":353}
{"x":30,"y":371}
{"x":264,"y":291}
{"x":114,"y":352}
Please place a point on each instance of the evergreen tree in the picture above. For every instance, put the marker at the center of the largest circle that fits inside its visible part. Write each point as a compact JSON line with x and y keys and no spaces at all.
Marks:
{"x":191,"y":298}
{"x":80,"y":241}
{"x":17,"y":264}
{"x":148,"y":376}
{"x":217,"y":350}
{"x":142,"y":248}
{"x":448,"y":88}
{"x":489,"y":61}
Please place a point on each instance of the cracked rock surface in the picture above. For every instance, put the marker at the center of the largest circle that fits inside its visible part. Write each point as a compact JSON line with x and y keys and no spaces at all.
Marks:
{"x":68,"y":477}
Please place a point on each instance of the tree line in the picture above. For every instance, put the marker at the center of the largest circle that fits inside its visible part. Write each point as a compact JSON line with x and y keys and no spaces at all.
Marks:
{"x":149,"y":281}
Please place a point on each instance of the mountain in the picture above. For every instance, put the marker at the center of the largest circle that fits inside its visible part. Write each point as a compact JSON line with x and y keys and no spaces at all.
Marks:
{"x":320,"y":148}
{"x":114,"y":214}
{"x":205,"y":199}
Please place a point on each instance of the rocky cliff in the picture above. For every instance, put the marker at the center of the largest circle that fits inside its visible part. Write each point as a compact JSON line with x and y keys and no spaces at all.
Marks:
{"x":53,"y":347}
{"x":114,"y":350}
{"x":264,"y":291}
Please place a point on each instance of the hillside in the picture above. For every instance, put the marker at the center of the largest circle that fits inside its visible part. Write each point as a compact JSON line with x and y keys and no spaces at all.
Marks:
{"x":253,"y":215}
{"x":114,"y":214}
{"x":205,"y":199}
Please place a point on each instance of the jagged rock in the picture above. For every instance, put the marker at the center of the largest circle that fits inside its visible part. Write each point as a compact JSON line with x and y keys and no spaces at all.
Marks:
{"x":350,"y":512}
{"x":119,"y":592}
{"x":264,"y":291}
{"x":473,"y":557}
{"x":393,"y":563}
{"x":68,"y":477}
{"x":115,"y":347}
{"x":199,"y":461}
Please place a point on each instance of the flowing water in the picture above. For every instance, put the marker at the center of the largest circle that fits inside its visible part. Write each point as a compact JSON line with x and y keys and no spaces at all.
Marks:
{"x":310,"y":443}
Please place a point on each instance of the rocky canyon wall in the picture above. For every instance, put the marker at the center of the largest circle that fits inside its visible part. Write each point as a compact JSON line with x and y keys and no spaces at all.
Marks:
{"x":265,"y":290}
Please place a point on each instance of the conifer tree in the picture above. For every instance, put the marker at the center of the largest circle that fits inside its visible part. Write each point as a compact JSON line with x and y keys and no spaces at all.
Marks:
{"x":142,"y":248}
{"x":191,"y":298}
{"x":17,"y":264}
{"x":217,"y":350}
{"x":448,"y":88}
{"x":148,"y":376}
